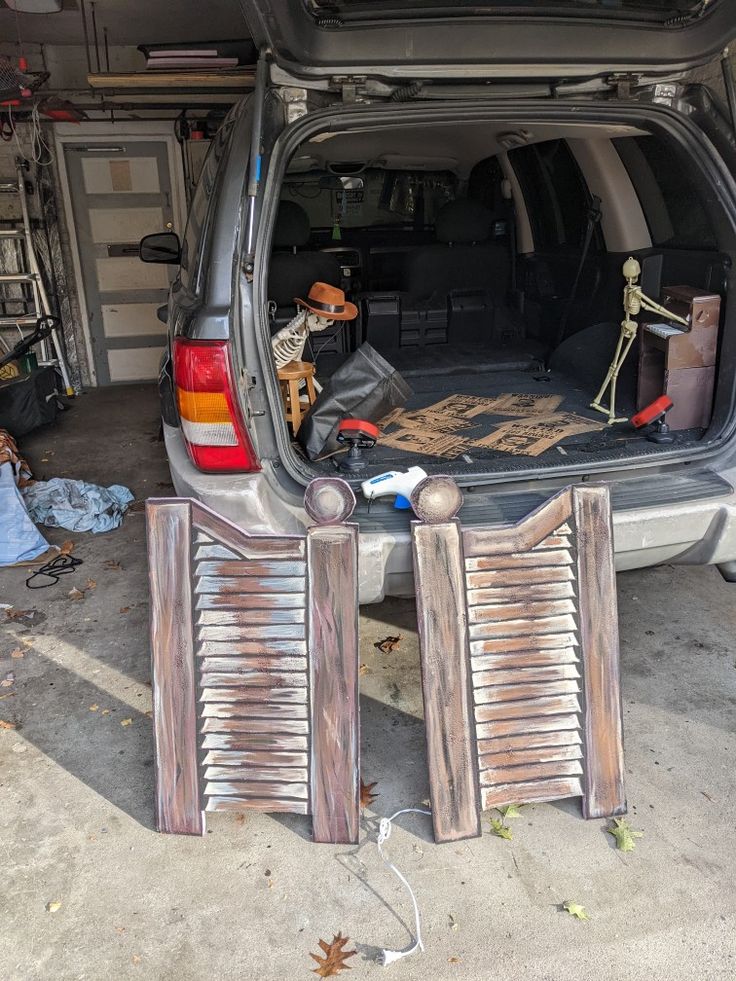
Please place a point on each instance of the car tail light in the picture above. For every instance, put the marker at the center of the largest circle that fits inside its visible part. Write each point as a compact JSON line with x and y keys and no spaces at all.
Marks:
{"x":211,"y":421}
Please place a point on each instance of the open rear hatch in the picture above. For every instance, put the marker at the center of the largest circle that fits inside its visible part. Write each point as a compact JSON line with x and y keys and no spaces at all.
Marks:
{"x":556,"y":39}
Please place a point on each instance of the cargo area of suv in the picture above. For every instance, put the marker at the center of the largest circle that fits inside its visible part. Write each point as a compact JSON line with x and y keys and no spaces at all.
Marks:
{"x":485,"y":259}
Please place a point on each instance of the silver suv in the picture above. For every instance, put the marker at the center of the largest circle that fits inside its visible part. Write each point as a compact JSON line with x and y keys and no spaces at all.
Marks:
{"x":473,"y":176}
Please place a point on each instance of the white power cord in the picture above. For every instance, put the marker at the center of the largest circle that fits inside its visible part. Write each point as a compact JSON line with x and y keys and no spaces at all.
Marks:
{"x":384,"y":833}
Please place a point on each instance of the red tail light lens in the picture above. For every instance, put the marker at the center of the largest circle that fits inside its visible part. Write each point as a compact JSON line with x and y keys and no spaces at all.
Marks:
{"x":212,"y":424}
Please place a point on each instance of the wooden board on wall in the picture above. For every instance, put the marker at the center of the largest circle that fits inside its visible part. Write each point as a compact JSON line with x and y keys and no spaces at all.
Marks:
{"x":526,"y":614}
{"x":255,"y":665}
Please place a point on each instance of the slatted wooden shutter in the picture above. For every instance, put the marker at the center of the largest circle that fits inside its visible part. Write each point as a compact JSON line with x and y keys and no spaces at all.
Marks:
{"x":254,"y":645}
{"x":520,"y":662}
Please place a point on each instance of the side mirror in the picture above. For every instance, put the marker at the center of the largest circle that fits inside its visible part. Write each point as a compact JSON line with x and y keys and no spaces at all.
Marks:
{"x":162,"y":247}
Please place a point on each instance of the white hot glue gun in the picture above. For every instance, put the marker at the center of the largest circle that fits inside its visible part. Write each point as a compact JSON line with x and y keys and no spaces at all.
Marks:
{"x":394,"y":483}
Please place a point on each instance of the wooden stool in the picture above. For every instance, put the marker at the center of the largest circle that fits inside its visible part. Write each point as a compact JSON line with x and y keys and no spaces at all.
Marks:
{"x":290,"y":377}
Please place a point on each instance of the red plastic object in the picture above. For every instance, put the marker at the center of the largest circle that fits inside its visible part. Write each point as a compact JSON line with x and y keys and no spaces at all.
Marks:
{"x":652,"y":411}
{"x":217,"y":441}
{"x":358,"y":426}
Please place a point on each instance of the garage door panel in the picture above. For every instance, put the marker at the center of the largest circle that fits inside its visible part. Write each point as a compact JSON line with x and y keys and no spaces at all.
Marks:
{"x":120,"y":225}
{"x":134,"y":363}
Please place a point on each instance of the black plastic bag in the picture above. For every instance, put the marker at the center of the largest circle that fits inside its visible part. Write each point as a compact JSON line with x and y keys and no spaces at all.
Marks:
{"x":366,"y":387}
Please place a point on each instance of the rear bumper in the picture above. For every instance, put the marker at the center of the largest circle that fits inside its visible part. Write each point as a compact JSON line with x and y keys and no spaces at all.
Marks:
{"x":697,"y":531}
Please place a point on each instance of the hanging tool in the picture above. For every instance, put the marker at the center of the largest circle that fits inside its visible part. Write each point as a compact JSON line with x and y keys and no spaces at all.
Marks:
{"x":36,"y":302}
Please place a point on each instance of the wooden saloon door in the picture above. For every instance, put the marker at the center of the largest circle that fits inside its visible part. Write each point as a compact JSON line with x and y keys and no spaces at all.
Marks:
{"x":519,"y":650}
{"x":255,"y":665}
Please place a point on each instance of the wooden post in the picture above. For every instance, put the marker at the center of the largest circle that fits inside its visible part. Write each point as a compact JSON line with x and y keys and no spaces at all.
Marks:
{"x":178,"y":805}
{"x":603,"y":727}
{"x":443,"y":632}
{"x":332,"y":561}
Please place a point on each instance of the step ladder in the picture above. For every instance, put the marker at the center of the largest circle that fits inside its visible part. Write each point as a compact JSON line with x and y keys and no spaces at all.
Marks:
{"x":35,"y":299}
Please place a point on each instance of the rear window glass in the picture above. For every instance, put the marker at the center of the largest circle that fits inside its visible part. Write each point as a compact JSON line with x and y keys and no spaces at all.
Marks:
{"x":388,"y":197}
{"x":555,"y":194}
{"x":672,"y":201}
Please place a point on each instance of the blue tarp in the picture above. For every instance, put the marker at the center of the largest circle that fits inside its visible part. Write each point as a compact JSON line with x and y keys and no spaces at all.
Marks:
{"x":76,"y":505}
{"x":20,"y":540}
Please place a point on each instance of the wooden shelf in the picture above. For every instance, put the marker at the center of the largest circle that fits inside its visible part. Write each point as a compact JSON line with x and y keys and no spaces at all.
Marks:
{"x":180,"y":81}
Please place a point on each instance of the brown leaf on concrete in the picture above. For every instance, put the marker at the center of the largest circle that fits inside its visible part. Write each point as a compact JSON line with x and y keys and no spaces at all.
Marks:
{"x":112,"y":564}
{"x":125,"y":609}
{"x":66,"y":548}
{"x":53,"y":906}
{"x":126,"y":722}
{"x":91,"y":584}
{"x":18,"y":652}
{"x":8,"y":681}
{"x":366,"y":793}
{"x":335,"y":956}
{"x":13,"y":614}
{"x":388,"y":645}
{"x":7,"y":725}
{"x":75,"y":594}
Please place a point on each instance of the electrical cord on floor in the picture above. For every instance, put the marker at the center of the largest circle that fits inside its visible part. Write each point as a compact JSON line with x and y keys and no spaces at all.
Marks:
{"x":384,"y":833}
{"x":60,"y":566}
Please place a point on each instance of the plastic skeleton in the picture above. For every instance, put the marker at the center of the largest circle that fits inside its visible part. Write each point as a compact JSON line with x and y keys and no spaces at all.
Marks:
{"x":288,"y":343}
{"x":634,"y":302}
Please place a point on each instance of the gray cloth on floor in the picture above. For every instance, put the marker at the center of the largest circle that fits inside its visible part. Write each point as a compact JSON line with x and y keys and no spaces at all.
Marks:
{"x":76,"y":505}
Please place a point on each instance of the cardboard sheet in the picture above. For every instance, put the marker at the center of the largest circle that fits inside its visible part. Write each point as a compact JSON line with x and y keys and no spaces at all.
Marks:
{"x":530,"y":438}
{"x":446,"y":445}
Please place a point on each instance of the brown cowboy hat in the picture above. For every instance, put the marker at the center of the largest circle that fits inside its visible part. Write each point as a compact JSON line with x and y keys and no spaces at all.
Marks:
{"x":328,"y":301}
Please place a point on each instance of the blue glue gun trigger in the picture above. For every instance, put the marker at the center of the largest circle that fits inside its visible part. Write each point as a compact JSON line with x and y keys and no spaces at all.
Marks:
{"x":402,"y":503}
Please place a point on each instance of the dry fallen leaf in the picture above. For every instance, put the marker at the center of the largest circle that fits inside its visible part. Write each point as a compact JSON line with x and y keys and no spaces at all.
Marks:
{"x":575,"y":909}
{"x":136,"y":958}
{"x":112,"y":564}
{"x":366,"y":793}
{"x":453,"y":960}
{"x":8,"y":681}
{"x":66,"y":548}
{"x":18,"y":652}
{"x":363,"y":669}
{"x":126,"y":722}
{"x":105,"y":712}
{"x":120,"y":930}
{"x":75,"y":594}
{"x":54,"y":906}
{"x":91,"y":584}
{"x":7,"y":725}
{"x":13,"y":614}
{"x":124,"y":609}
{"x":93,"y":708}
{"x":388,"y":644}
{"x":334,"y":961}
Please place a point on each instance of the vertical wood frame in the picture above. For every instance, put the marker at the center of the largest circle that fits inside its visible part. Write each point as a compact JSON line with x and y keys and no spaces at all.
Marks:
{"x":522,"y":620}
{"x":255,"y":665}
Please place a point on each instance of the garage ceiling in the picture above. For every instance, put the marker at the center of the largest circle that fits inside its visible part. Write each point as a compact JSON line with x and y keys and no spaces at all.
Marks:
{"x":131,"y":22}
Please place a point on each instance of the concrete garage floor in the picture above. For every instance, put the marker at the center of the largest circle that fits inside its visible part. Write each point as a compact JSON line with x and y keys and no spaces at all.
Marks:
{"x":252,"y":898}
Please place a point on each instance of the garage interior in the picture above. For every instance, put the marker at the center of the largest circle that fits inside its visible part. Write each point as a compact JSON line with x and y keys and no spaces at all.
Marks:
{"x":114,"y":152}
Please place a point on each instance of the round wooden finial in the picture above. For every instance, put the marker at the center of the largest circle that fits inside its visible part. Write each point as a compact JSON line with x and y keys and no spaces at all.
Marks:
{"x":436,"y":499}
{"x":329,"y":500}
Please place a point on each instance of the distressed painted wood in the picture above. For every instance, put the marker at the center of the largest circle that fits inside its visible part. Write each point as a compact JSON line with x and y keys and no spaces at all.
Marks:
{"x":332,"y":555}
{"x":603,"y":722}
{"x":448,"y":711}
{"x":519,"y":650}
{"x":255,"y":665}
{"x":178,"y":804}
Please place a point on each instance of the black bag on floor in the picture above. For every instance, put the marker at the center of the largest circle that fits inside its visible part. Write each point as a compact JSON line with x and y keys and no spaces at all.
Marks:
{"x":366,"y":387}
{"x":29,"y":401}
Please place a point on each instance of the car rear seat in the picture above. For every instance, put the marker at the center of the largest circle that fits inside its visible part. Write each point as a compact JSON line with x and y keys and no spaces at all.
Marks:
{"x":454,"y":291}
{"x":293,"y":267}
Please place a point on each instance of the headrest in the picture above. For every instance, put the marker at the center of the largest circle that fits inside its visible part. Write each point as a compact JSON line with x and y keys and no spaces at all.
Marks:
{"x":292,"y":226}
{"x":463,"y":220}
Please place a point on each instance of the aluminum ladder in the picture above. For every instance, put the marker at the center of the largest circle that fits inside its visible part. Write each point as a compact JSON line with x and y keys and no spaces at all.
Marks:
{"x":38,"y":299}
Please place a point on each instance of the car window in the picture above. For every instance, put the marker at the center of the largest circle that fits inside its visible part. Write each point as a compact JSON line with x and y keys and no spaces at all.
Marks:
{"x":671,"y":200}
{"x":199,"y":220}
{"x":555,"y":193}
{"x":388,"y":197}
